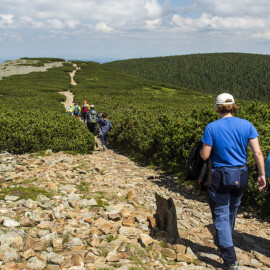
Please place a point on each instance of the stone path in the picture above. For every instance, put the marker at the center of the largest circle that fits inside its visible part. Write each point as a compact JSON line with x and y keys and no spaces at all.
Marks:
{"x":72,"y":74}
{"x":69,"y":99}
{"x":96,"y":212}
{"x":69,"y":96}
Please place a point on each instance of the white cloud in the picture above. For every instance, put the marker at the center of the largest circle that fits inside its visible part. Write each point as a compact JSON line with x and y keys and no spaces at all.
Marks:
{"x":152,"y":24}
{"x":12,"y":37}
{"x":103,"y":27}
{"x":264,"y":35}
{"x":72,"y":23}
{"x":209,"y":22}
{"x":153,"y":8}
{"x":132,"y":21}
{"x":85,"y":9}
{"x":234,"y":7}
{"x":55,"y":24}
{"x":6,"y":20}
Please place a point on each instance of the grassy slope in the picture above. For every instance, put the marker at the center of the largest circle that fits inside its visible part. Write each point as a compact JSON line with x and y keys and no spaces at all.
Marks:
{"x":32,"y":117}
{"x":244,"y":75}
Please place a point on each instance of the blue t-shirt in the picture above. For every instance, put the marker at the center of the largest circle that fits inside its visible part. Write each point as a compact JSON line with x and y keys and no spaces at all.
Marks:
{"x":229,"y":139}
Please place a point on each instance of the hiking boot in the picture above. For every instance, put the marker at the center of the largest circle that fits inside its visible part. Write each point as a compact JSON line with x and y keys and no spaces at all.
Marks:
{"x":96,"y":145}
{"x":104,"y":147}
{"x":233,"y":266}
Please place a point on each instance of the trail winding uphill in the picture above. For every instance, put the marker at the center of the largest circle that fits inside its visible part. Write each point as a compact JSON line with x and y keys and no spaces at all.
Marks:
{"x":69,"y":96}
{"x":69,"y":99}
{"x":72,"y":74}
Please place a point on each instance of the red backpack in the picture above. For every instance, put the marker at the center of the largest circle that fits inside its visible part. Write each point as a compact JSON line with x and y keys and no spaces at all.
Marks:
{"x":85,"y":109}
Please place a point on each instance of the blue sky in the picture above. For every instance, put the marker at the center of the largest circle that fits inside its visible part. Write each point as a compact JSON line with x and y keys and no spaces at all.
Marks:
{"x":120,"y":29}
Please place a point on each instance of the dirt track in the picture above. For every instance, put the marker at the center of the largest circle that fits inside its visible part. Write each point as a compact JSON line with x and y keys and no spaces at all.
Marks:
{"x":69,"y":96}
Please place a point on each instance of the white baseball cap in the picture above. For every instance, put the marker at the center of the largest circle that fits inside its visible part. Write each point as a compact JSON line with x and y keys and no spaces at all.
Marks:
{"x":225,"y":99}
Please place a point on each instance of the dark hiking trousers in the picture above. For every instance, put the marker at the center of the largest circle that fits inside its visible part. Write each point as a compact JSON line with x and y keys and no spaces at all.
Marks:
{"x":104,"y":139}
{"x":224,"y":204}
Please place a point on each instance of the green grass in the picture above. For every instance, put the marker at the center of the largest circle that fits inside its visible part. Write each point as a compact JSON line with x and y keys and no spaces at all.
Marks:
{"x":24,"y":193}
{"x":83,"y":187}
{"x":111,"y":238}
{"x":136,"y":254}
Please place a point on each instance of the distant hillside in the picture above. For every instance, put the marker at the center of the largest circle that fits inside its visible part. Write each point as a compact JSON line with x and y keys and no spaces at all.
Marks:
{"x":246,"y":76}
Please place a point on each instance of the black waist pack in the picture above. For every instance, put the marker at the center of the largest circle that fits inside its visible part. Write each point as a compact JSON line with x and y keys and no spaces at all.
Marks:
{"x":231,"y":177}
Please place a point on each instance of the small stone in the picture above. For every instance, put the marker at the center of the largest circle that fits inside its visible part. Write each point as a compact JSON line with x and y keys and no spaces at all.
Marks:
{"x":92,"y":202}
{"x":94,"y":241}
{"x":112,"y":256}
{"x":129,"y":195}
{"x":35,"y":263}
{"x":124,"y":213}
{"x":11,"y":223}
{"x":183,"y":258}
{"x":129,"y":222}
{"x":35,"y":244}
{"x":29,"y":203}
{"x":27,"y":222}
{"x":13,"y":266}
{"x":152,"y":222}
{"x":169,"y":253}
{"x":52,"y":267}
{"x":191,"y":253}
{"x":11,"y":198}
{"x":42,"y":198}
{"x":146,"y":240}
{"x":55,"y":258}
{"x":90,"y":258}
{"x":73,"y":242}
{"x":29,"y":253}
{"x":57,"y":244}
{"x":129,"y":232}
{"x":12,"y":238}
{"x":9,"y":254}
{"x":180,"y":249}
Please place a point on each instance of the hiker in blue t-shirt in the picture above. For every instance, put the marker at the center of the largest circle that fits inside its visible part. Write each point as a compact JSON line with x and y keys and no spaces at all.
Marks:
{"x":226,"y":141}
{"x":104,"y":127}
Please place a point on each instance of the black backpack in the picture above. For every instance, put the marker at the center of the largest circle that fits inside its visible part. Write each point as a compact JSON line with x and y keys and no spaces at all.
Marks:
{"x":197,"y":168}
{"x":195,"y":162}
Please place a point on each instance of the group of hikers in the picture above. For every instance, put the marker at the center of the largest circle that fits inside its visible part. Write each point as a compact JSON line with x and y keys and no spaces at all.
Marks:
{"x":224,"y":143}
{"x":91,"y":119}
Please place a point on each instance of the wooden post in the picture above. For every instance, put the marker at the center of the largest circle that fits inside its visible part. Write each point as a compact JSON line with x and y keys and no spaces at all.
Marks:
{"x":166,"y":217}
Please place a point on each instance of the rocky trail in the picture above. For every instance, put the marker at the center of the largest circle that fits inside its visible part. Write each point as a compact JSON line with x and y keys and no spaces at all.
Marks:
{"x":96,"y":211}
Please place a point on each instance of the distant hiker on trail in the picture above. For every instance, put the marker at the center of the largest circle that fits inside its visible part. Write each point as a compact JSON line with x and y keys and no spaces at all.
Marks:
{"x":105,"y":127}
{"x":226,"y":141}
{"x":70,"y":110}
{"x":92,"y":120}
{"x":84,"y":111}
{"x":76,"y":110}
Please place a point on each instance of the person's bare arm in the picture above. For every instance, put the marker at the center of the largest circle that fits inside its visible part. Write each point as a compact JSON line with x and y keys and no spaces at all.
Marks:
{"x":205,"y":151}
{"x":256,"y":149}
